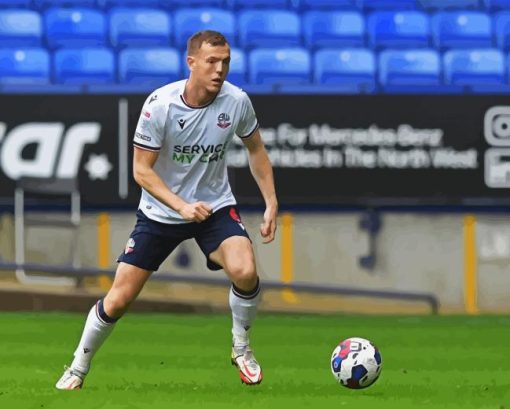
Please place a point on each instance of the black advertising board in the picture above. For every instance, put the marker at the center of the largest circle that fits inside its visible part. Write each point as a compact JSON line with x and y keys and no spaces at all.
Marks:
{"x":326,"y":150}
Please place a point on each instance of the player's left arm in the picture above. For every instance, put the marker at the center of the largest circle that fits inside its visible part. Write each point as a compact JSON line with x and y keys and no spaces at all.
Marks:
{"x":262,"y":171}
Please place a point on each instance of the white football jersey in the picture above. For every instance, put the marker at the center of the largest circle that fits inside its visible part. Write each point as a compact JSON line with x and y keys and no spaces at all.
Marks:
{"x":192,"y":143}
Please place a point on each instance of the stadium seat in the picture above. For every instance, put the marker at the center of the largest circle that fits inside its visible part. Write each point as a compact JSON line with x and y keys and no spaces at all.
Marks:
{"x":449,"y":4}
{"x":279,"y":66}
{"x":387,"y":4}
{"x":21,"y":28}
{"x":15,"y":3}
{"x":502,"y":29}
{"x":497,"y":4}
{"x":24,"y":66}
{"x":463,"y":29}
{"x":128,"y":3}
{"x":247,"y":4}
{"x":398,"y":29}
{"x":354,"y":68}
{"x":190,"y":20}
{"x":333,"y":29}
{"x":269,"y":28}
{"x":149,"y":66}
{"x":84,"y":66}
{"x":325,"y":4}
{"x":41,"y":4}
{"x":138,"y":27}
{"x":74,"y":27}
{"x":474,"y":67}
{"x":414,"y":69}
{"x":192,"y":3}
{"x":238,"y":67}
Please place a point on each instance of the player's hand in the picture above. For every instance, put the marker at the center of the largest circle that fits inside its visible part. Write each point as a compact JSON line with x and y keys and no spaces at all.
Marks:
{"x":196,"y":212}
{"x":268,"y":228}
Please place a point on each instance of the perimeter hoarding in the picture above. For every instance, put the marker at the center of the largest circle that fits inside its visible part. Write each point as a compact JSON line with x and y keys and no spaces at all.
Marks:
{"x":326,"y":150}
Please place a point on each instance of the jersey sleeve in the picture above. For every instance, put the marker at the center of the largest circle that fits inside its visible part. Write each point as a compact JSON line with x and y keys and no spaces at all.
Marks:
{"x":150,"y":129}
{"x":248,"y":123}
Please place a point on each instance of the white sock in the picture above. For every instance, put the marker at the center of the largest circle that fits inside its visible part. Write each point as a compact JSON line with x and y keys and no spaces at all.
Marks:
{"x":244,"y":309}
{"x":97,"y":328}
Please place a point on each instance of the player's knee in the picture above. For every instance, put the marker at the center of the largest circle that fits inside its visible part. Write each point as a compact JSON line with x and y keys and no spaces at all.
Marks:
{"x":244,"y":276}
{"x":116,"y":304}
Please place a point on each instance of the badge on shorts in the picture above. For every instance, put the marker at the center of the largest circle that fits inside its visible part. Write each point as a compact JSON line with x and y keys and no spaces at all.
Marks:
{"x":235,"y":216}
{"x":130,"y":246}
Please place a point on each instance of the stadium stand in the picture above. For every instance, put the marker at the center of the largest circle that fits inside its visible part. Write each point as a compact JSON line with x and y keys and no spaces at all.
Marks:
{"x":153,"y":67}
{"x":20,"y":28}
{"x":280,"y":66}
{"x":24,"y":66}
{"x":191,"y":20}
{"x":388,"y":29}
{"x":366,"y":29}
{"x":333,"y":29}
{"x":353,"y":69}
{"x":139,"y":27}
{"x":74,"y":27}
{"x":269,"y":28}
{"x":84,"y":66}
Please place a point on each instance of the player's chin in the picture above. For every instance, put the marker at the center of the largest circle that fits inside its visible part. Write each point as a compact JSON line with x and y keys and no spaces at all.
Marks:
{"x":215,"y":86}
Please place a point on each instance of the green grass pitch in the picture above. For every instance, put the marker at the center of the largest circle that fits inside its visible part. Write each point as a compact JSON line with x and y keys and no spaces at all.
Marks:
{"x":182,"y":361}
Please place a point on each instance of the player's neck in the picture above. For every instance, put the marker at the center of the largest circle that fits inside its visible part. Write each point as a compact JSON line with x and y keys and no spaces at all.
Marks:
{"x":197,"y":96}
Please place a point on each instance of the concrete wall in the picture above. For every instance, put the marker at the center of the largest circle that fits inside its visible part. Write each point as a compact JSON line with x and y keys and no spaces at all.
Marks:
{"x":415,"y":252}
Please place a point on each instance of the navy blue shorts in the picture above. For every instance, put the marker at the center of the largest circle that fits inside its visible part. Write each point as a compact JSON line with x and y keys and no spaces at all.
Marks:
{"x":151,"y":242}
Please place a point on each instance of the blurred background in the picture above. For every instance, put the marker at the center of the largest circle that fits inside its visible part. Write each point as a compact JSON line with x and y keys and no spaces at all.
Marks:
{"x":387,"y":123}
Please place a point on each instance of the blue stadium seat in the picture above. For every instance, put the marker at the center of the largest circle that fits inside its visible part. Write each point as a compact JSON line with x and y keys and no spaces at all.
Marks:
{"x":15,"y":3}
{"x":74,"y":27}
{"x":64,"y":3}
{"x":413,"y":69}
{"x":24,"y":66}
{"x":463,"y":29}
{"x":21,"y":28}
{"x":238,"y":67}
{"x":279,"y":66}
{"x":497,"y":4}
{"x":139,"y":26}
{"x":269,"y":28}
{"x":333,"y":29}
{"x":149,"y":66}
{"x":247,"y":4}
{"x":387,"y":4}
{"x":354,"y":68}
{"x":474,"y":67}
{"x":502,"y":29}
{"x":325,"y":4}
{"x":191,"y":3}
{"x":449,"y":4}
{"x":398,"y":29}
{"x":84,"y":66}
{"x":128,"y":3}
{"x":190,"y":20}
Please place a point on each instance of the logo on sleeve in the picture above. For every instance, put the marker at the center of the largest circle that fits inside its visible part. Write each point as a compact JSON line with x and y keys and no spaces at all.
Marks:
{"x":224,"y":120}
{"x":153,"y":98}
{"x":146,"y":114}
{"x":181,"y":122}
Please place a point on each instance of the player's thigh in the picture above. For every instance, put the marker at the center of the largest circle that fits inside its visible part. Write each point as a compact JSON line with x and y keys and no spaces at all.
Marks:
{"x":235,"y":255}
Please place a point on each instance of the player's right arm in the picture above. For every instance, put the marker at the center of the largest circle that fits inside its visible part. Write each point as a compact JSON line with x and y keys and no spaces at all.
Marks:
{"x":148,"y":140}
{"x":147,"y":178}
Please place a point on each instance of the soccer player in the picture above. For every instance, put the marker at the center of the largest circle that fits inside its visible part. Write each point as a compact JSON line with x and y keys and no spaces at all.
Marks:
{"x":179,"y":161}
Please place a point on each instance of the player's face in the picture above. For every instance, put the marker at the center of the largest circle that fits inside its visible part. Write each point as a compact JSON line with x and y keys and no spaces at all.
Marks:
{"x":210,"y":66}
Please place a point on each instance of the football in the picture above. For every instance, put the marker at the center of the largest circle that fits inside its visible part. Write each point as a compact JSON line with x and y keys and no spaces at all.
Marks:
{"x":356,"y":363}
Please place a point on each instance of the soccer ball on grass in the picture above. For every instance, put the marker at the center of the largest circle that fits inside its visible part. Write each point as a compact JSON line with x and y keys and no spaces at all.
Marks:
{"x":356,"y":363}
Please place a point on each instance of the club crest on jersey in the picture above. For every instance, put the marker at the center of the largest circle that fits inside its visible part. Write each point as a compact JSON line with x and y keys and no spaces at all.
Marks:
{"x":130,"y":246}
{"x":224,"y":120}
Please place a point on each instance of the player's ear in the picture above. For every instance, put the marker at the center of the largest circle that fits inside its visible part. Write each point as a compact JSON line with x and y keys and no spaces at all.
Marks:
{"x":190,"y":60}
